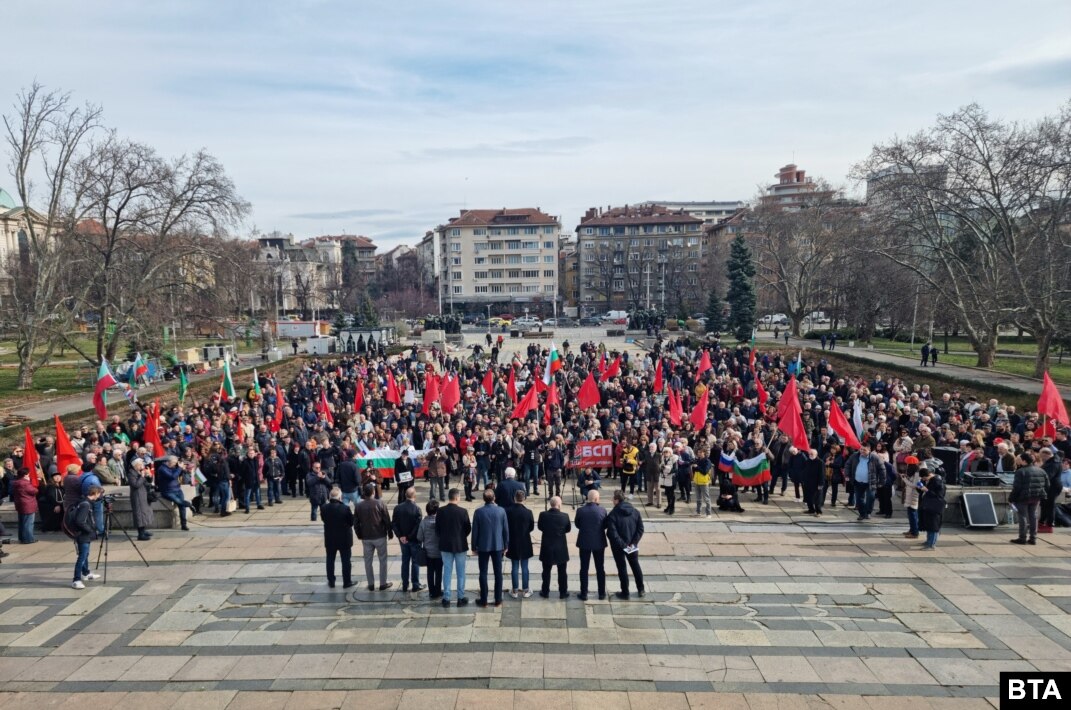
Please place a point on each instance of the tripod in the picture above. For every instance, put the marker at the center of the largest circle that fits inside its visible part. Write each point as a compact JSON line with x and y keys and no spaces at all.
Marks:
{"x":110,"y":521}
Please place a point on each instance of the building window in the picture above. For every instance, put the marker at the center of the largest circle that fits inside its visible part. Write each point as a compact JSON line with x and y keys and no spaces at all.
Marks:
{"x":481,"y":289}
{"x":497,"y":260}
{"x":589,"y":257}
{"x":459,"y":290}
{"x":604,"y":231}
{"x":514,"y":273}
{"x":455,"y":261}
{"x":619,"y":284}
{"x":513,"y":259}
{"x":531,"y":230}
{"x":531,"y":260}
{"x":496,"y":232}
{"x":456,"y":246}
{"x":479,"y":260}
{"x":513,"y":244}
{"x":479,"y":232}
{"x":480,"y":274}
{"x":496,"y":288}
{"x":548,"y":289}
{"x":548,"y":245}
{"x":548,"y":230}
{"x":529,"y":245}
{"x":513,"y":230}
{"x":494,"y":246}
{"x":588,"y":230}
{"x":548,"y":259}
{"x":455,"y":275}
{"x":455,"y":232}
{"x":548,"y":273}
{"x":496,"y":273}
{"x":530,"y":274}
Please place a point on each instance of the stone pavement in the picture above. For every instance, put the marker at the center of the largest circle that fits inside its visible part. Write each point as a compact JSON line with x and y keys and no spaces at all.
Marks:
{"x":767,"y":609}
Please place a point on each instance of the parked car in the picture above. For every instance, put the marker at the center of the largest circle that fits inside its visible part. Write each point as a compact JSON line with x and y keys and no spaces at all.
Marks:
{"x":526,"y":321}
{"x":506,"y":316}
{"x":590,"y":322}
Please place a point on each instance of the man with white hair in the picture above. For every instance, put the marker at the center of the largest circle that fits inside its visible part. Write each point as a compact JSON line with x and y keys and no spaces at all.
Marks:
{"x":507,"y":489}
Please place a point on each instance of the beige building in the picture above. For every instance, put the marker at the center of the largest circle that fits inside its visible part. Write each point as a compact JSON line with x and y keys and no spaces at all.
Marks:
{"x":314,"y":275}
{"x":640,"y":256}
{"x":569,"y":274}
{"x":506,"y":258}
{"x":14,"y":238}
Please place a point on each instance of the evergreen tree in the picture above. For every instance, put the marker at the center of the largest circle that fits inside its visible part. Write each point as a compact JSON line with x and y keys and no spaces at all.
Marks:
{"x":715,"y":312}
{"x":367,"y":314}
{"x":741,"y":296}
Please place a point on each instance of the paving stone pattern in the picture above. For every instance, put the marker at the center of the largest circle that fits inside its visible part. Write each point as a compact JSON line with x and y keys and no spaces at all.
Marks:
{"x":767,"y":609}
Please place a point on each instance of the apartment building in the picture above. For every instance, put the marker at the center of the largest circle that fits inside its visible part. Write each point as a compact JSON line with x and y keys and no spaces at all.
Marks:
{"x":711,"y":212}
{"x":639,"y":256}
{"x":505,"y":257}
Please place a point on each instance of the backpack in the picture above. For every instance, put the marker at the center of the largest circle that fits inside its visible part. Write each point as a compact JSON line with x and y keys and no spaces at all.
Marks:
{"x":70,"y":522}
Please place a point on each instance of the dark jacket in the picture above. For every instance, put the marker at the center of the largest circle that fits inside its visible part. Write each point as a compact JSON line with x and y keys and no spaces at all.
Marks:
{"x":317,"y":489}
{"x":406,"y":520}
{"x":1030,"y":483}
{"x":554,"y":549}
{"x":140,"y":508}
{"x":338,"y":525}
{"x":348,"y":477}
{"x":490,"y":530}
{"x":589,"y":520}
{"x":403,"y":469}
{"x":167,"y":478}
{"x":84,"y":525}
{"x":274,"y":470}
{"x":521,"y":523}
{"x":428,"y":536}
{"x":875,"y":470}
{"x":453,"y":526}
{"x":371,"y":520}
{"x":814,"y":474}
{"x":72,"y":491}
{"x":623,"y":525}
{"x":932,"y":505}
{"x":506,"y":490}
{"x":247,"y":471}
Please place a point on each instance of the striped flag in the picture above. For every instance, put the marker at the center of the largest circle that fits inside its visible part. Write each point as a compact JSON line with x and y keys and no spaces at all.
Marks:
{"x":226,"y":384}
{"x":726,"y":464}
{"x":105,"y":379}
{"x":554,"y":363}
{"x":751,"y":472}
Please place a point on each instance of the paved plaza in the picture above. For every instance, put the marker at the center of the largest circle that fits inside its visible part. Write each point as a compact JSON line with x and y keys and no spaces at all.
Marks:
{"x":743,"y":611}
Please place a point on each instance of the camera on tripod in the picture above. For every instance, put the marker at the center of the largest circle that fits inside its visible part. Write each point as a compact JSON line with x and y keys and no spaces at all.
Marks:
{"x":110,"y":499}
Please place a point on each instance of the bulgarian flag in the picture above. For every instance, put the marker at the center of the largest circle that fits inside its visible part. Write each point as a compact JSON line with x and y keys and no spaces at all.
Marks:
{"x":554,"y":363}
{"x":256,"y":383}
{"x":105,"y":379}
{"x":226,"y":385}
{"x":137,"y":369}
{"x":183,"y":384}
{"x":751,"y":472}
{"x":382,"y":460}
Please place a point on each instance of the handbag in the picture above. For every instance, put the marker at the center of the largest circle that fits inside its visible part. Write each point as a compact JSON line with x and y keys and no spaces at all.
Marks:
{"x":150,"y":494}
{"x":420,"y":556}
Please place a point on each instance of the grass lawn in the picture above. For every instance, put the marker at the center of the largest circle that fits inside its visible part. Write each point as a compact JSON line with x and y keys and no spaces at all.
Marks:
{"x":1023,"y":366}
{"x":64,"y":380}
{"x":8,"y":356}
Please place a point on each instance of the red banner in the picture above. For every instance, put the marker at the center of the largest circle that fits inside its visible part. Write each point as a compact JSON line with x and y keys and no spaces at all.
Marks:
{"x":598,"y":453}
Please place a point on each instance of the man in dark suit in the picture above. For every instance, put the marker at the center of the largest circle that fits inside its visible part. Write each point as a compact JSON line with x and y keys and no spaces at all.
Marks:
{"x":338,"y":536}
{"x":490,"y":538}
{"x":591,"y":540}
{"x":553,"y":549}
{"x":453,"y":527}
{"x":506,"y":492}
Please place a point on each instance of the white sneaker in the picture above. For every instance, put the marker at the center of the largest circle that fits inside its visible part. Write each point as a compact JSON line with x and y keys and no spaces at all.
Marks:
{"x":90,"y":577}
{"x":77,"y":584}
{"x":708,"y":516}
{"x":799,"y":500}
{"x":513,"y":593}
{"x":527,"y":593}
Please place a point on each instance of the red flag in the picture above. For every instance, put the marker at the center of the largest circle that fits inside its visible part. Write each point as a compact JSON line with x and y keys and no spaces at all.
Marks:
{"x":511,"y":385}
{"x":789,"y":420}
{"x":791,"y":395}
{"x":489,"y":383}
{"x":698,"y":417}
{"x":704,"y":363}
{"x":658,"y":384}
{"x":392,"y":390}
{"x":152,"y":430}
{"x":589,"y":393}
{"x":613,"y":371}
{"x":552,"y":399}
{"x":65,"y":453}
{"x":540,"y":385}
{"x":1048,"y":428}
{"x":451,"y":396}
{"x":751,"y":360}
{"x":763,"y":395}
{"x":325,"y":409}
{"x":431,"y":391}
{"x":674,"y":410}
{"x":1050,"y":403}
{"x":530,"y":402}
{"x":277,"y":415}
{"x":358,"y":397}
{"x":602,"y":363}
{"x":30,"y":460}
{"x":839,"y":423}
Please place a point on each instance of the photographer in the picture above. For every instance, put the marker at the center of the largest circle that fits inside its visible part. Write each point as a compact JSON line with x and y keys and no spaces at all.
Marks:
{"x":167,"y":479}
{"x":140,"y":505}
{"x":80,"y":521}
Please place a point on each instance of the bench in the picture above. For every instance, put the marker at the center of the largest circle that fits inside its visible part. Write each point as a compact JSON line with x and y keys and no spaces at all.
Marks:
{"x":536,"y":335}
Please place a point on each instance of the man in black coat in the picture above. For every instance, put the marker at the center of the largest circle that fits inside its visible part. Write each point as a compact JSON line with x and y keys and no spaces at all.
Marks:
{"x":453,"y":526}
{"x":348,"y":478}
{"x":624,"y":528}
{"x":591,"y":539}
{"x":338,"y":536}
{"x":553,"y":549}
{"x":405,"y":521}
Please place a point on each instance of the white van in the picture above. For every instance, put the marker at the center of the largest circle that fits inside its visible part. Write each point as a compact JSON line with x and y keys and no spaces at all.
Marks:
{"x":614,"y":315}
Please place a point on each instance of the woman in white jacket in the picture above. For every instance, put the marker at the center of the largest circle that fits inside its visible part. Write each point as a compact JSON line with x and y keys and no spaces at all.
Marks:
{"x":667,"y":477}
{"x":911,"y":496}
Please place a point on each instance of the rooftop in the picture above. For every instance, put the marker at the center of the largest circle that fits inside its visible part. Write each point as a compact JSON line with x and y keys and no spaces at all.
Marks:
{"x":635,"y":215}
{"x":504,"y":217}
{"x":7,"y":202}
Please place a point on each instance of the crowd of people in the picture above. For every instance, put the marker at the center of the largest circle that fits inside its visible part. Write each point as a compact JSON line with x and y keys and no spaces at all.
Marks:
{"x":309,"y":438}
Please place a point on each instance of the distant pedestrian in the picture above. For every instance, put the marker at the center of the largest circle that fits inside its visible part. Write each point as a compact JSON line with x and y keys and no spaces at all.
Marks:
{"x":1029,"y":488}
{"x":933,"y":355}
{"x":925,"y":354}
{"x":338,"y":537}
{"x":823,"y":339}
{"x":624,"y":528}
{"x":786,"y":338}
{"x":372,"y":524}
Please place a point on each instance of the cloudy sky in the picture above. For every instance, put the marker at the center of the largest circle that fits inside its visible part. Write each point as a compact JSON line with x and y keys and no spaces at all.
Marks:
{"x":384,"y":118}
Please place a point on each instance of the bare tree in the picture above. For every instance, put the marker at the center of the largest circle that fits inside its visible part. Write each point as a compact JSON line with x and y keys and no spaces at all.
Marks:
{"x":978,"y":209}
{"x":45,"y":134}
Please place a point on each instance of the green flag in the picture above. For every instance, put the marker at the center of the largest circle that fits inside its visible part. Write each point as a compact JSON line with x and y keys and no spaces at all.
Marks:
{"x":183,"y":385}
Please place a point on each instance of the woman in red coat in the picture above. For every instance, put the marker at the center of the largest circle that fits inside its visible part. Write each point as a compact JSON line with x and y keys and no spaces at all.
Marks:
{"x":24,"y":496}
